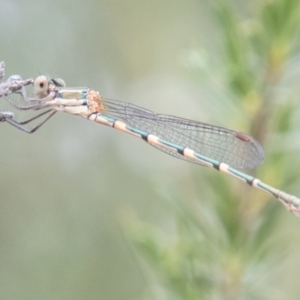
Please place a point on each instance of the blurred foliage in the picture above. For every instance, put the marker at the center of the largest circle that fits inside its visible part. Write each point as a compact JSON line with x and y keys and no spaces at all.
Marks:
{"x":228,"y":245}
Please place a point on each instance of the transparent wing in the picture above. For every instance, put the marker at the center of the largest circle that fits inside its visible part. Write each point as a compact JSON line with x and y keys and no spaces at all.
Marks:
{"x":223,"y":145}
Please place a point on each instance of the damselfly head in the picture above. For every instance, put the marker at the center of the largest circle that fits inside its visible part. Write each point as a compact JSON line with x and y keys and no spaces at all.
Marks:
{"x":41,"y":86}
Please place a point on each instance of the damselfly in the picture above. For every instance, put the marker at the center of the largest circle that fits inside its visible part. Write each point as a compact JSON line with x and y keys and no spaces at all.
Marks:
{"x":211,"y":146}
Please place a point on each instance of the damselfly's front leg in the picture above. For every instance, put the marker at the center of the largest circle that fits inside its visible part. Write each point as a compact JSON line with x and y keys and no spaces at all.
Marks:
{"x":30,"y":106}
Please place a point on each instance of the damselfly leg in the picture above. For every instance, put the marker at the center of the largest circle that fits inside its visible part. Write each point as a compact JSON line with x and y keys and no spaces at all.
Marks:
{"x":22,"y":124}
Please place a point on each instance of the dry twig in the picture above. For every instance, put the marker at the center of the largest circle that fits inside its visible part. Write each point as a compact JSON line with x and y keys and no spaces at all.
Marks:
{"x":12,"y":85}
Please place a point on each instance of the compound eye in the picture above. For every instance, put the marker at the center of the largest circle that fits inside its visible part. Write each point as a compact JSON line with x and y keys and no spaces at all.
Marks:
{"x":58,"y":82}
{"x":41,"y":86}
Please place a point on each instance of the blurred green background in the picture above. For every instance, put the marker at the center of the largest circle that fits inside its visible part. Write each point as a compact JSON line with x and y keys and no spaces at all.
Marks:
{"x":90,"y":213}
